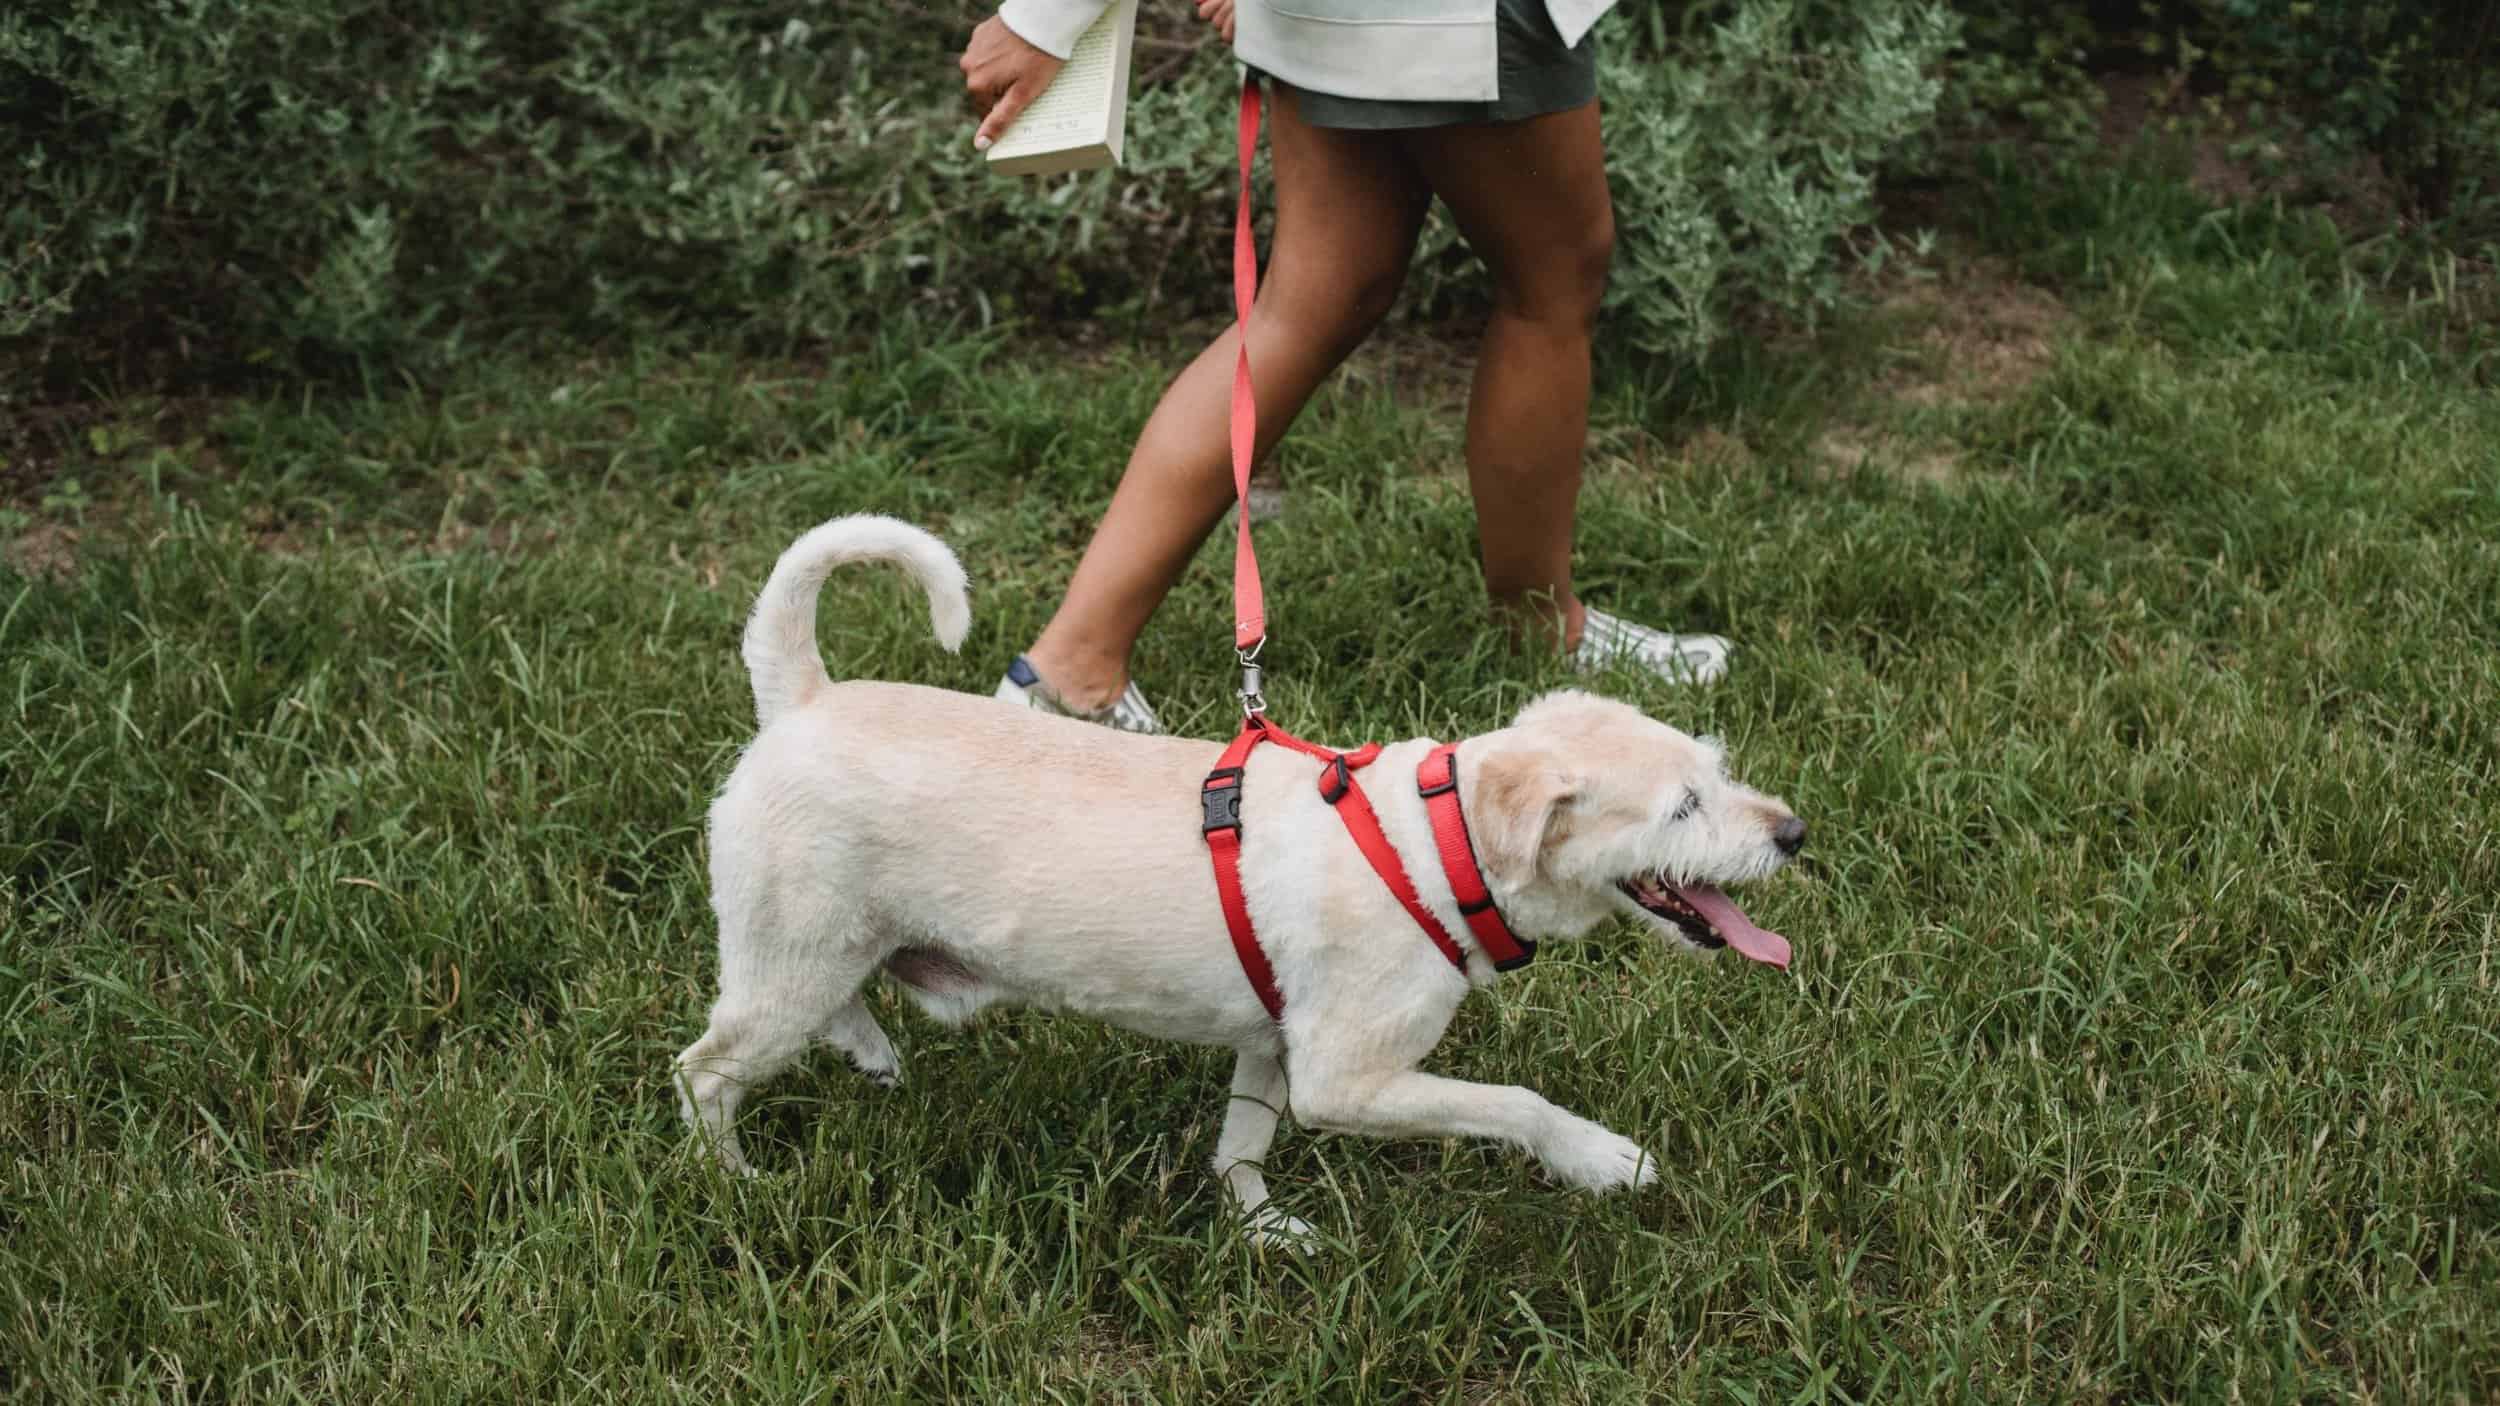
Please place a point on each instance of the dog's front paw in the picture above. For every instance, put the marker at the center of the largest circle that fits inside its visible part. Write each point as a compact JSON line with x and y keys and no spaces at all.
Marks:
{"x":881,"y":1067}
{"x":1273,"y":1230}
{"x":1593,"y":1159}
{"x":732,"y":1159}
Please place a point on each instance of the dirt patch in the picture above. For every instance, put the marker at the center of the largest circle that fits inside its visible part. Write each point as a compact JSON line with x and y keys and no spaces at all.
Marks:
{"x":34,"y":440}
{"x":1849,"y":449}
{"x":45,"y":549}
{"x":1717,"y":448}
{"x":2134,"y":104}
{"x":1981,"y":337}
{"x":1978,"y":335}
{"x":40,"y":440}
{"x":2232,"y":159}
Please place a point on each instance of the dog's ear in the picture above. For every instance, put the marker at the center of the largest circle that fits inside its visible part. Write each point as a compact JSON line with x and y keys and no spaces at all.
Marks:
{"x":1521,"y":805}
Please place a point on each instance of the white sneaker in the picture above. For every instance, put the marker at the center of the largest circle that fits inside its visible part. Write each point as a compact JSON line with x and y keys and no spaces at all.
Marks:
{"x":1128,"y":713}
{"x":1679,"y":659}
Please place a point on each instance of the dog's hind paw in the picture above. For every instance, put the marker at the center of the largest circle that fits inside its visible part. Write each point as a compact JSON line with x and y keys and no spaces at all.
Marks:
{"x":1593,"y":1159}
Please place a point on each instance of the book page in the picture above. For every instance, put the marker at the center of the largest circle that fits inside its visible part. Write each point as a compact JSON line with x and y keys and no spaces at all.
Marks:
{"x":1076,"y":108}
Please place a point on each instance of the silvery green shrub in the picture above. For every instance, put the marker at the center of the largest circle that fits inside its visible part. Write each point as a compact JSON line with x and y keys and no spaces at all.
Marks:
{"x":306,"y":184}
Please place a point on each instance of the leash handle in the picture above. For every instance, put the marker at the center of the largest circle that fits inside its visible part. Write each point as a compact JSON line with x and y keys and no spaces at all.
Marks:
{"x":1249,"y":598}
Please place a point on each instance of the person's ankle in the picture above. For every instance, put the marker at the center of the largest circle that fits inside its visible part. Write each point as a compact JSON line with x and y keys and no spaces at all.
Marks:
{"x":1074,"y":682}
{"x":1538,"y":622}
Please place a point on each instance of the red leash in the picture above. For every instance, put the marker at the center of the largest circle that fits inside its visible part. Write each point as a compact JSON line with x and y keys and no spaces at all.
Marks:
{"x":1249,"y":600}
{"x":1220,"y":798}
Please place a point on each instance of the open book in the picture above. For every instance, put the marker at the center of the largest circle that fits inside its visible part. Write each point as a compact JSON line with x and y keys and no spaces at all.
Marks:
{"x":1075,"y":124}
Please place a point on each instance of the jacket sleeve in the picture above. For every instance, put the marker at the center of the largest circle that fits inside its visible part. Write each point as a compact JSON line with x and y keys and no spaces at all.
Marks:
{"x":1051,"y":26}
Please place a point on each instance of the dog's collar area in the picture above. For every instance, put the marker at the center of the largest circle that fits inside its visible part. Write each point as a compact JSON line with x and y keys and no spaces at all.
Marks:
{"x":1436,"y":781}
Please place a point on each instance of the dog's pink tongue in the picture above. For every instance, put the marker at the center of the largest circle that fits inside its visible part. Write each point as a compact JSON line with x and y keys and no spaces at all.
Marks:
{"x":1741,"y":932}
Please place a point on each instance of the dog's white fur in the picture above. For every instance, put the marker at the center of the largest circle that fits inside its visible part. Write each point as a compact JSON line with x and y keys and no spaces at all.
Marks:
{"x":978,"y":853}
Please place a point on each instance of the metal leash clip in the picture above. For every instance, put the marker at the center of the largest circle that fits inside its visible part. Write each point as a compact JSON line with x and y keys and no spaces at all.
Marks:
{"x":1253,"y":699}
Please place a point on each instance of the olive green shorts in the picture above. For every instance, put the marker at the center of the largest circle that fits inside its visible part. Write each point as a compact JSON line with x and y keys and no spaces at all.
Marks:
{"x":1538,"y":74}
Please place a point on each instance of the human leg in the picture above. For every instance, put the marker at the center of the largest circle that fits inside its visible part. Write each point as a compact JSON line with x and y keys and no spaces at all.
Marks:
{"x":1348,"y":207}
{"x":1532,"y":200}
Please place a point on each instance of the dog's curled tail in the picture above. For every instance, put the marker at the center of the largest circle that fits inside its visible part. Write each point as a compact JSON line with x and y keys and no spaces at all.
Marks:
{"x":780,"y":644}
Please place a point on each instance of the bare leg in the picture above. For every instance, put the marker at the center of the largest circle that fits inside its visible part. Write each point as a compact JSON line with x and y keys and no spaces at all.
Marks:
{"x":1531,"y":197}
{"x":1258,"y":1097}
{"x":1347,"y":211}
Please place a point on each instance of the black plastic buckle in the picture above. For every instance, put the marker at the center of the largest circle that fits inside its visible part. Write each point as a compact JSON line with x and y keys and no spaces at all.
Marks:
{"x":1428,"y":792}
{"x":1334,"y":781}
{"x":1221,"y":799}
{"x":1527,"y":954}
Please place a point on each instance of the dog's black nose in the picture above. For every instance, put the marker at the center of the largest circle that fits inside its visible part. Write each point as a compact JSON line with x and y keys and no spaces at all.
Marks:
{"x":1789,"y":835}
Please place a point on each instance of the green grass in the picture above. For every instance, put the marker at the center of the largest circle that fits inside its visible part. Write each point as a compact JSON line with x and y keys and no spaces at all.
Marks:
{"x":2142,"y":1043}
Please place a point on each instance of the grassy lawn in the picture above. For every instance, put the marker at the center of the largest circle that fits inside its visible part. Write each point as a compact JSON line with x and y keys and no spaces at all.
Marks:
{"x":2122,"y":607}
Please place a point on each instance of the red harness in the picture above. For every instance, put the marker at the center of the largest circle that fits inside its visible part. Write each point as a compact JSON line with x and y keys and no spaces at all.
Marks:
{"x":1436,"y":780}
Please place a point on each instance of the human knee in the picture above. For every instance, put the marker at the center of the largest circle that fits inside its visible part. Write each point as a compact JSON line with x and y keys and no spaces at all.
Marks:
{"x":1337,"y":312}
{"x":1568,"y":281}
{"x":1370,"y":296}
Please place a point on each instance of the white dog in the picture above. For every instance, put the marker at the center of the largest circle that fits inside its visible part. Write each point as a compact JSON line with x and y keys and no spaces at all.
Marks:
{"x":976,"y":853}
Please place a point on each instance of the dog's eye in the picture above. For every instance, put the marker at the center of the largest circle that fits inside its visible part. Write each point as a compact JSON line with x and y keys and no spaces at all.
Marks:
{"x":1685,"y":809}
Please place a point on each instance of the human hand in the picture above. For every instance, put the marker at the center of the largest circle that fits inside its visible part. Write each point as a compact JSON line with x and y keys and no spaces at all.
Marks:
{"x":1218,"y":13}
{"x":1003,"y":75}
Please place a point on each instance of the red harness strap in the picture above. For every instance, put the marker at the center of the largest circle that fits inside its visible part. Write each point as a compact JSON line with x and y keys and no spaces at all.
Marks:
{"x":1337,"y":787}
{"x":1436,"y":780}
{"x":1221,"y":799}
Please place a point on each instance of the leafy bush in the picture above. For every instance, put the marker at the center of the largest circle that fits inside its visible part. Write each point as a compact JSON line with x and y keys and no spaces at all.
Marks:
{"x":2024,"y":66}
{"x":2413,"y":82}
{"x":1743,"y":147}
{"x":305,"y":179}
{"x":308,"y":184}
